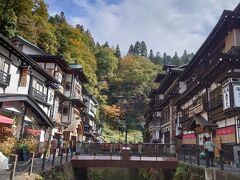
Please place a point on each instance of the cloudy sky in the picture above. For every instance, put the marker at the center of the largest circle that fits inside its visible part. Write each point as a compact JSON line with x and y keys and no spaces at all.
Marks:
{"x":165,"y":25}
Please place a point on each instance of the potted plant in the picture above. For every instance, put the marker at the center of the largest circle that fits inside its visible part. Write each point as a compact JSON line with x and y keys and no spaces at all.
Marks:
{"x":26,"y":145}
{"x":7,"y":147}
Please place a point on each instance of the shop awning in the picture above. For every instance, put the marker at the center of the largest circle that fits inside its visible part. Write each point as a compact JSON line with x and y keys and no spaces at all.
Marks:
{"x":73,"y":126}
{"x":6,"y":120}
{"x":202,"y":122}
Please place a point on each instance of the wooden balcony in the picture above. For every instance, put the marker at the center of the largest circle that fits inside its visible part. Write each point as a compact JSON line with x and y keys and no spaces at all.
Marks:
{"x":195,"y":109}
{"x":38,"y":95}
{"x":215,"y":103}
{"x":4,"y":78}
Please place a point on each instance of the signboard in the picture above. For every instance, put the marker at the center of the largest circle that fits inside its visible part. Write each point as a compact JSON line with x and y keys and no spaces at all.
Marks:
{"x":227,"y":134}
{"x":236,"y":95}
{"x":189,"y":139}
{"x":226,"y":97}
{"x":226,"y":131}
{"x":188,"y":136}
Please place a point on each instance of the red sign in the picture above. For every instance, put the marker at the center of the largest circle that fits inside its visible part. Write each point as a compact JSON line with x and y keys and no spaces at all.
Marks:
{"x":188,"y":136}
{"x":226,"y":130}
{"x":34,"y":132}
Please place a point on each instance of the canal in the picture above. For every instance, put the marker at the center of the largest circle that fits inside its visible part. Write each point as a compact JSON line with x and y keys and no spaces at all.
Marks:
{"x":122,"y":174}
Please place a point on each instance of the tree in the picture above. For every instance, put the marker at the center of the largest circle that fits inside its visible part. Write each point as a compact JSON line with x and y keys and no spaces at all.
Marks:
{"x":143,"y":49}
{"x":8,"y":23}
{"x":176,"y":59}
{"x":137,"y":49}
{"x":106,"y":44}
{"x":131,"y":50}
{"x":184,"y":57}
{"x":151,"y":55}
{"x":107,"y":62}
{"x":58,"y":19}
{"x":158,"y":58}
{"x":118,"y":52}
{"x":166,"y":58}
{"x":40,"y":9}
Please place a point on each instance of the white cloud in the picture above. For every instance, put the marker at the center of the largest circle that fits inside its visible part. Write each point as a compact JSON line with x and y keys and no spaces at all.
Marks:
{"x":165,"y":25}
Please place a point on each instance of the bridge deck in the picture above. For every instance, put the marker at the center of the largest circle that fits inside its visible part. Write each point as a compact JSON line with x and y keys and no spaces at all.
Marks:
{"x":81,"y":161}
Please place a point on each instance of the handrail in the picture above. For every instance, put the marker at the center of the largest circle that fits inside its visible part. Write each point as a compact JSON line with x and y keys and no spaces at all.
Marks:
{"x":39,"y":95}
{"x":5,"y":77}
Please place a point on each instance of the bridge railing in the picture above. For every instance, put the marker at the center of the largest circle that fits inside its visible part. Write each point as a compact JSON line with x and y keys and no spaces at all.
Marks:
{"x":138,"y":149}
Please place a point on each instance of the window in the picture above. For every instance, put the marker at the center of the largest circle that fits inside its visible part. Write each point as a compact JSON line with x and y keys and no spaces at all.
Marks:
{"x":68,"y":86}
{"x":4,"y":66}
{"x":65,"y":110}
{"x":39,"y":87}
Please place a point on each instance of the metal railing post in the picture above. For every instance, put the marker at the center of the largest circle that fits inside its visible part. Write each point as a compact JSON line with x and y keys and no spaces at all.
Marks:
{"x":197,"y":156}
{"x":184,"y":155}
{"x":31,"y":163}
{"x":238,"y":160}
{"x":190,"y":156}
{"x":13,"y":168}
{"x":221,"y":160}
{"x":61,"y":158}
{"x":54,"y":155}
{"x":207,"y":158}
{"x":67,"y":154}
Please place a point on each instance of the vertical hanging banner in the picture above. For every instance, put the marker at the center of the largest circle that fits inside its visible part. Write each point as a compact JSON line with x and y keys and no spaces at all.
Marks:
{"x":236,"y":95}
{"x":226,"y":97}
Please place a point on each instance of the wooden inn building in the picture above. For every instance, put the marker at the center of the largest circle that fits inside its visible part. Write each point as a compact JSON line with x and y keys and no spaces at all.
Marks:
{"x":40,"y":93}
{"x":202,"y":98}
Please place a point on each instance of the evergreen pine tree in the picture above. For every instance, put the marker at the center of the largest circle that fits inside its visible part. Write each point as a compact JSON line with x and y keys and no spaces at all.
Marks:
{"x":143,"y":49}
{"x":175,"y":59}
{"x":137,"y":49}
{"x":185,"y":58}
{"x":106,"y":44}
{"x":158,"y":58}
{"x":118,"y":52}
{"x":131,"y":49}
{"x":151,"y":56}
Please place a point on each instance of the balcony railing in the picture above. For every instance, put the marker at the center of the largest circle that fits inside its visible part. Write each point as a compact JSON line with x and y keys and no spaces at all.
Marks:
{"x":39,"y":95}
{"x":215,"y":102}
{"x":4,"y":78}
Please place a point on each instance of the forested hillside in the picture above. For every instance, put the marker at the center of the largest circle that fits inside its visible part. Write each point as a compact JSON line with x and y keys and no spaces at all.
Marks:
{"x":114,"y":79}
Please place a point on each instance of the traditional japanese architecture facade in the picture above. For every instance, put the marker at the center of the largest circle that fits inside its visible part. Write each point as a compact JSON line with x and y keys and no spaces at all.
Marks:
{"x":92,"y":125}
{"x":162,"y":112}
{"x":26,"y":92}
{"x":210,"y":104}
{"x":68,"y":97}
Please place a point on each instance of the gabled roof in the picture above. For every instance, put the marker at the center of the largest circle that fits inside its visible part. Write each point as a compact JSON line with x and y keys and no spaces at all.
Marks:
{"x":24,"y":41}
{"x":222,"y":26}
{"x":25,"y":58}
{"x":78,"y":70}
{"x":170,"y":77}
{"x":53,"y":58}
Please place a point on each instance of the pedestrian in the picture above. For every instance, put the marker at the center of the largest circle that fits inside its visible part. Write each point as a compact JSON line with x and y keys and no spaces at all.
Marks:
{"x":60,"y":146}
{"x":53,"y":148}
{"x":209,"y":148}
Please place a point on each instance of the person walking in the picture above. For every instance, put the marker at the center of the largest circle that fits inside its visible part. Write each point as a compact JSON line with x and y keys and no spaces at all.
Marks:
{"x":209,"y":150}
{"x":53,"y":148}
{"x":60,"y":146}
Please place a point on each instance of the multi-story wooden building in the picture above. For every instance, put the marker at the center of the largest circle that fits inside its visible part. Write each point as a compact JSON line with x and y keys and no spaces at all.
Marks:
{"x":207,"y":102}
{"x":68,"y":97}
{"x":92,"y":125}
{"x":26,"y":92}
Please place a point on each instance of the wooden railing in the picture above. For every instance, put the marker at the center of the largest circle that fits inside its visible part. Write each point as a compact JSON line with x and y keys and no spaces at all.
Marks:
{"x":4,"y":78}
{"x":39,"y":95}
